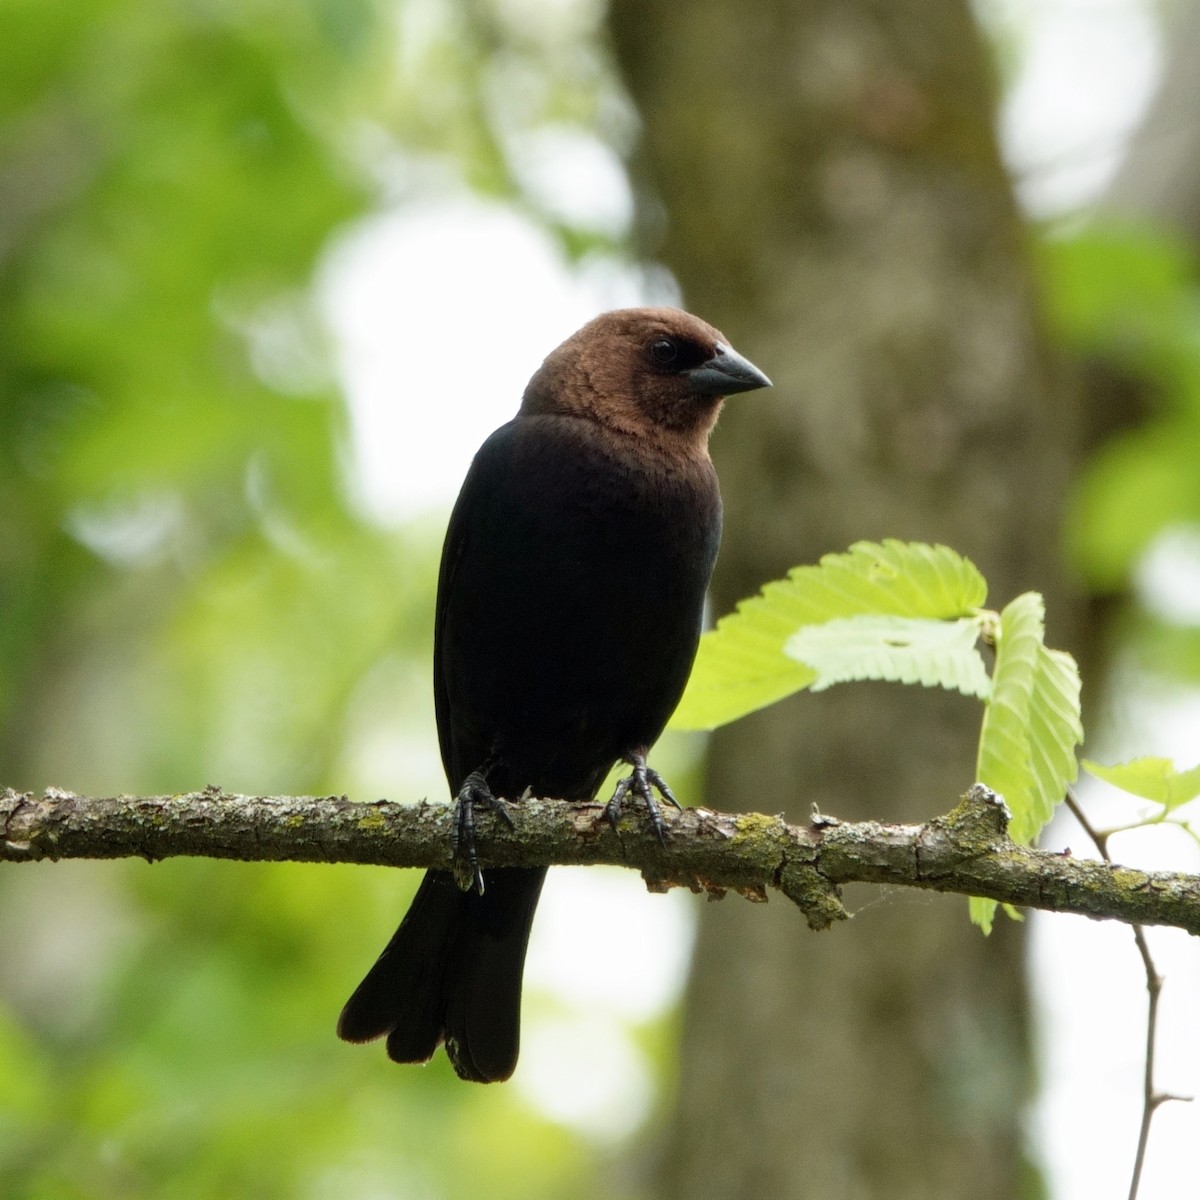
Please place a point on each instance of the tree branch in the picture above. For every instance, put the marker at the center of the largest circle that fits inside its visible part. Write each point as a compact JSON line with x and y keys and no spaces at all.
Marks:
{"x":966,"y":851}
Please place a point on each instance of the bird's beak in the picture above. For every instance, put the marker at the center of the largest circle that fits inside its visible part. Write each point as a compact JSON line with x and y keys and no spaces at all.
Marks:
{"x":725,"y":374}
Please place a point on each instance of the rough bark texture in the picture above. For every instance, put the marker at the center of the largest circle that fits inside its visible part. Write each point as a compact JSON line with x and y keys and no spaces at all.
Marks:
{"x":966,"y":851}
{"x":832,"y":197}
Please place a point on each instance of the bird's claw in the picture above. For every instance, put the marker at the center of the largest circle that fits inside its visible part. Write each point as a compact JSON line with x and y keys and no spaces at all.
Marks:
{"x":642,"y":781}
{"x":473,"y":794}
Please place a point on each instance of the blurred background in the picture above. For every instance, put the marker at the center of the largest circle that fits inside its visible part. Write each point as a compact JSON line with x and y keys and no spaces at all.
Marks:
{"x":268,"y":275}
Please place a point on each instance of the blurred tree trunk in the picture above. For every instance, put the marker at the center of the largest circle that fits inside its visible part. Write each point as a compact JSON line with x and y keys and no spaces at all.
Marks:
{"x":832,"y":196}
{"x":1159,"y":179}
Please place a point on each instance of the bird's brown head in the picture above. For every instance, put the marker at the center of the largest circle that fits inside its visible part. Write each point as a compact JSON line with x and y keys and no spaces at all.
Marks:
{"x":656,"y":373}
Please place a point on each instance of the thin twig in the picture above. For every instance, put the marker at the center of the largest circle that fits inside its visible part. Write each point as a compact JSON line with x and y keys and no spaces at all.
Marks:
{"x":1151,"y":1098}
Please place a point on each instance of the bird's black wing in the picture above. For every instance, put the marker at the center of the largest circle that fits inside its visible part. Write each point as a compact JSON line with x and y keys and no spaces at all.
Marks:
{"x":463,"y":520}
{"x":452,"y":971}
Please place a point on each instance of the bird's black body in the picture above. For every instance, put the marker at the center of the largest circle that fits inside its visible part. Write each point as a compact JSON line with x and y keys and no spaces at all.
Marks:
{"x":569,"y":606}
{"x":568,"y":613}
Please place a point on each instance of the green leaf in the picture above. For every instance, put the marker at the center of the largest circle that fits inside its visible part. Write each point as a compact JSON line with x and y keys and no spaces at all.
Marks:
{"x":1055,"y":730}
{"x":1031,"y":725}
{"x":1004,"y":761}
{"x":1154,"y":779}
{"x":983,"y":912}
{"x":899,"y":649}
{"x":742,"y":664}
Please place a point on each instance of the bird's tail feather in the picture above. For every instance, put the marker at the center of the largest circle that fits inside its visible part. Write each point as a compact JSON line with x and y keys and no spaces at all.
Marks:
{"x":452,"y":972}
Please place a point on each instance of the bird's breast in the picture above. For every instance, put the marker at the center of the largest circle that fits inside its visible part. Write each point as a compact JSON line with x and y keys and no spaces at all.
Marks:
{"x":576,"y":603}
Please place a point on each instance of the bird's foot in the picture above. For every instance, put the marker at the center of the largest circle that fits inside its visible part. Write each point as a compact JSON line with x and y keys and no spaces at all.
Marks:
{"x":473,"y":794}
{"x":641,"y":781}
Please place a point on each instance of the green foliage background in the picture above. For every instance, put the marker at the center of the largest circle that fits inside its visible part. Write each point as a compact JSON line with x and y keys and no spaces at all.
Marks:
{"x":1127,"y":297}
{"x":188,"y":595}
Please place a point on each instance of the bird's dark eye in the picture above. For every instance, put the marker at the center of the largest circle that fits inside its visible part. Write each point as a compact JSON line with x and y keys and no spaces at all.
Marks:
{"x":664,"y":351}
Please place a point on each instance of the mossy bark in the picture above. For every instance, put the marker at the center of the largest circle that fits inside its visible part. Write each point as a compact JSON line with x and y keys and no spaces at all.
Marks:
{"x":967,"y":851}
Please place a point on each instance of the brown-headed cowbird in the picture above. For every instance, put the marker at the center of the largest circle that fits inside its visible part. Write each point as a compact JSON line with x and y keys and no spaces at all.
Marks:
{"x":568,"y":613}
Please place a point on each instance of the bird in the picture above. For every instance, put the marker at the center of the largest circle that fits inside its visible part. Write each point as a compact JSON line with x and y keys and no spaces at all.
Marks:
{"x":569,"y":609}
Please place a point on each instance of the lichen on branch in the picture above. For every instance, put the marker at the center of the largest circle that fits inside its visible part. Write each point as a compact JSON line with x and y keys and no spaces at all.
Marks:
{"x":967,"y":851}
